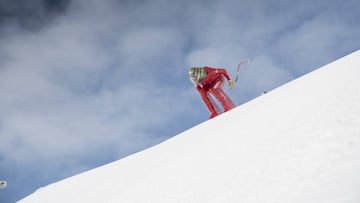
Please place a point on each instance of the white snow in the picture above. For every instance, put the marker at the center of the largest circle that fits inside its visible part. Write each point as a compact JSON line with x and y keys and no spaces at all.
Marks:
{"x":3,"y":184}
{"x":297,"y":143}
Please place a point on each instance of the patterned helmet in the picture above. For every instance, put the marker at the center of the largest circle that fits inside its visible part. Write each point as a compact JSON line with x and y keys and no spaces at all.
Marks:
{"x":197,"y":74}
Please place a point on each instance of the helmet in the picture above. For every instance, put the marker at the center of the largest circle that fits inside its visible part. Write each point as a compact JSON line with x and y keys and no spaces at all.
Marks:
{"x":197,"y":74}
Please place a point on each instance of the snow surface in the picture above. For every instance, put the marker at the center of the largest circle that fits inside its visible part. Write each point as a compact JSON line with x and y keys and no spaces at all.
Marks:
{"x":297,"y":143}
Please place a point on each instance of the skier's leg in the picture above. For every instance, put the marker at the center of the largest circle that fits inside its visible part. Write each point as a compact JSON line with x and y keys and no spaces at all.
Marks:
{"x":217,"y":91}
{"x":224,"y":100}
{"x":209,"y":103}
{"x":216,"y":111}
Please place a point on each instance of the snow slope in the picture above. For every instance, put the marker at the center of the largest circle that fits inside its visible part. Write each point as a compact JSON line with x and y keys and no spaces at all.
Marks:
{"x":298,"y":143}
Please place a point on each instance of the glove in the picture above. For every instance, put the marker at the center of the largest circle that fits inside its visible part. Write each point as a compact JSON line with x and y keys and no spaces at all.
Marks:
{"x":231,"y":84}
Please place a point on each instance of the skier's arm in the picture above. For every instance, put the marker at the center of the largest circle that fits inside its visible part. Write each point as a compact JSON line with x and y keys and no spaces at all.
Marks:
{"x":214,"y":72}
{"x":230,"y":82}
{"x":224,"y":73}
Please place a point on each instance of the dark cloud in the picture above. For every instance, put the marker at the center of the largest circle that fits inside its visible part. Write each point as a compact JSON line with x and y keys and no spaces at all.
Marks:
{"x":30,"y":15}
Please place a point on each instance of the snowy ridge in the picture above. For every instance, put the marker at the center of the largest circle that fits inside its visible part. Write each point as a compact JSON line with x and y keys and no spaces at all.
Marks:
{"x":298,"y":143}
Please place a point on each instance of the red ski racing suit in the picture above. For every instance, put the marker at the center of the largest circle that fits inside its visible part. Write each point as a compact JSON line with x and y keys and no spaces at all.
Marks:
{"x":208,"y":81}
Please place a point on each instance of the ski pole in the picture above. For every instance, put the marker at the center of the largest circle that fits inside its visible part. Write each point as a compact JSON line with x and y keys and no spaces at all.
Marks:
{"x":238,"y":69}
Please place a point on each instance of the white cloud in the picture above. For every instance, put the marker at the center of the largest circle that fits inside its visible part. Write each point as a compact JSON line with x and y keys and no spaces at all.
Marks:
{"x":261,"y":74}
{"x":314,"y":36}
{"x":67,"y":92}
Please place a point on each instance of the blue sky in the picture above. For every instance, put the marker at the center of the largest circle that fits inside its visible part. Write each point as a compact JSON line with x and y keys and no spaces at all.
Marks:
{"x":87,"y":82}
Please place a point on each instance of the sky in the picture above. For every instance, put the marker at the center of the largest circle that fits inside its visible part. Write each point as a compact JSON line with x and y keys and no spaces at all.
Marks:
{"x":87,"y":82}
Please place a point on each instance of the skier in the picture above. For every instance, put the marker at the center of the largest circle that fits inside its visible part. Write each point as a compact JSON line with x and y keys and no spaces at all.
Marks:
{"x":208,"y":80}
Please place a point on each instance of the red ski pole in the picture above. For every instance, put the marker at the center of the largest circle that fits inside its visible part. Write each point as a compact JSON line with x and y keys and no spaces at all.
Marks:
{"x":238,"y":69}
